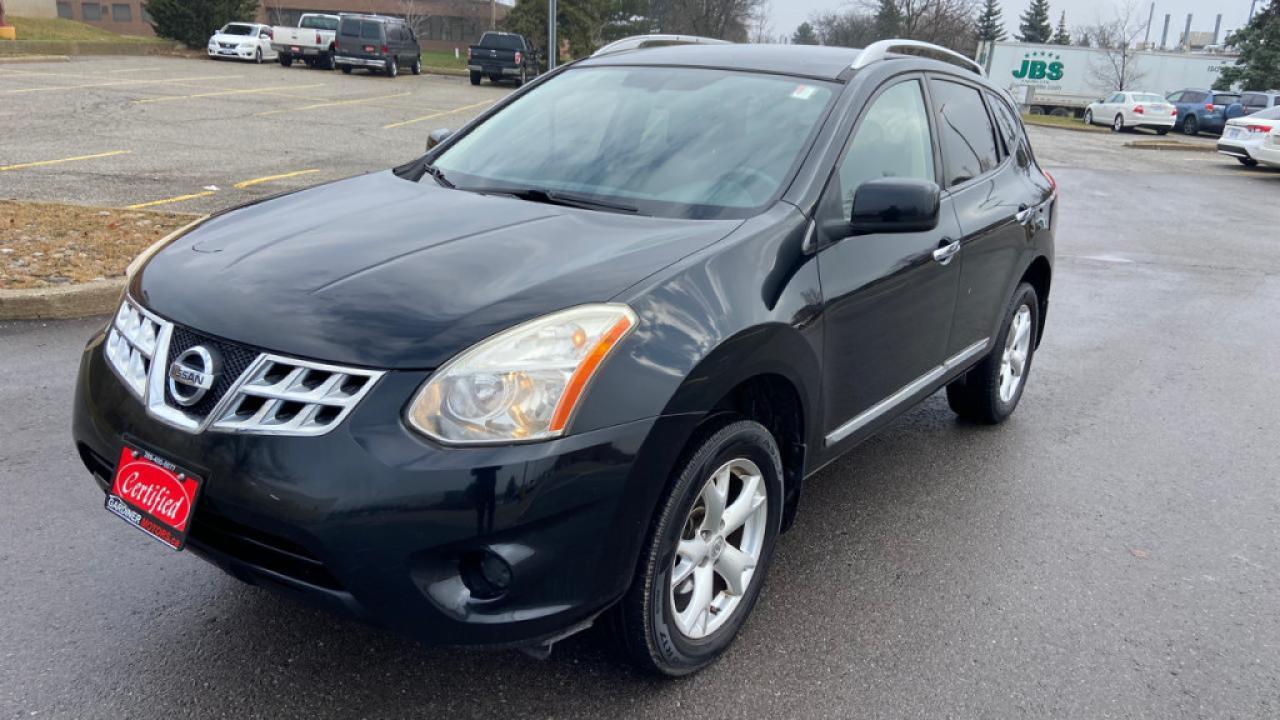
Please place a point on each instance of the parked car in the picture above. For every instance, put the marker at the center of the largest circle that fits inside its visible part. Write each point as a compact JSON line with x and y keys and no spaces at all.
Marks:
{"x":1123,"y":110}
{"x":1252,"y":102}
{"x":1268,"y":153}
{"x":502,"y":56}
{"x":1244,"y":135}
{"x":378,"y":43}
{"x":311,"y":42}
{"x":242,"y":41}
{"x":580,"y":356}
{"x":1202,"y":110}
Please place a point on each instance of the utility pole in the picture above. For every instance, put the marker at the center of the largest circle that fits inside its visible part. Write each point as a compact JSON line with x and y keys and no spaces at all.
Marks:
{"x":553,"y":50}
{"x":493,"y":14}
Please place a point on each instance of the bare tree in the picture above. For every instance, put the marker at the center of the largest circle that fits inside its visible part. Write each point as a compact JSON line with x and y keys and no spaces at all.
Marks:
{"x":724,"y":19}
{"x":761,"y":29}
{"x":943,"y":22}
{"x":1117,"y":66}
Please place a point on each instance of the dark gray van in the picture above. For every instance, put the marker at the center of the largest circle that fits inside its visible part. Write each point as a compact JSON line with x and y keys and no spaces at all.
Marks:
{"x":377,"y":42}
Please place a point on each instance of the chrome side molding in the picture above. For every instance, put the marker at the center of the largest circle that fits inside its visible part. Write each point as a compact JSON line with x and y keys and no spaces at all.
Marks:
{"x":906,"y":392}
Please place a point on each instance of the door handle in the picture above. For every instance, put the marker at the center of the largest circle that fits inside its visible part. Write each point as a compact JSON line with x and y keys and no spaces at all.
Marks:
{"x":947,"y":249}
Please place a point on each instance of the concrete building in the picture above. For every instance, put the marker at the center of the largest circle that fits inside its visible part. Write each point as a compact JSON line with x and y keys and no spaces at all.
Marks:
{"x":441,"y":24}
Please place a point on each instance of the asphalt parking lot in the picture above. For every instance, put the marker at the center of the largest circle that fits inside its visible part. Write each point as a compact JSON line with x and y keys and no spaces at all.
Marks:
{"x":199,"y":135}
{"x":1111,"y":551}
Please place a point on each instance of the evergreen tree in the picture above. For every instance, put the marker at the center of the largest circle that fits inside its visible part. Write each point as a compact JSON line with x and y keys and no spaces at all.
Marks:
{"x":1062,"y":37}
{"x":990,"y":22}
{"x":804,"y":35}
{"x":192,"y":21}
{"x":1034,"y":25}
{"x":888,"y":20}
{"x":578,"y":23}
{"x":1258,"y":66}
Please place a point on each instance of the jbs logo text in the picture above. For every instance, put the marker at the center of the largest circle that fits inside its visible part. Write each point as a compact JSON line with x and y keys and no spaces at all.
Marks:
{"x":1039,"y":70}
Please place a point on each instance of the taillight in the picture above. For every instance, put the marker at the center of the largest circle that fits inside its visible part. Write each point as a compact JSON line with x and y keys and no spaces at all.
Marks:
{"x":519,"y":57}
{"x":1053,"y":184}
{"x":1174,"y":113}
{"x":318,"y":40}
{"x":1257,"y":128}
{"x":1137,"y":110}
{"x":1208,"y":106}
{"x":384,"y":50}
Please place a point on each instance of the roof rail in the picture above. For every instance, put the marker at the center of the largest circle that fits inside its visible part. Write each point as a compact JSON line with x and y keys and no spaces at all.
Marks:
{"x":880,"y":50}
{"x":636,"y":42}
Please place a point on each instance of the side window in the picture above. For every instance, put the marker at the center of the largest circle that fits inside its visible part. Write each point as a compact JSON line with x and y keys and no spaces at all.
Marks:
{"x":1115,"y":99}
{"x":1009,"y":130}
{"x":892,"y":140}
{"x":1194,"y":97}
{"x":968,"y":140}
{"x":1175,"y":97}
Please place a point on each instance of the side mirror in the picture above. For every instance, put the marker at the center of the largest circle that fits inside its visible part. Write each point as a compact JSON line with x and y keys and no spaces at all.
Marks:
{"x":438,"y":136}
{"x":895,"y":205}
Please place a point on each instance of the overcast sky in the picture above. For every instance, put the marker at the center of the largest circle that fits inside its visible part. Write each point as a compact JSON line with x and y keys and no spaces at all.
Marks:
{"x":787,"y":14}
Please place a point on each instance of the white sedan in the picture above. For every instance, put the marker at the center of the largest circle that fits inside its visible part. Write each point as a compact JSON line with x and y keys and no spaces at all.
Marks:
{"x":1123,"y":110}
{"x":243,"y":41}
{"x":1242,"y":136}
{"x":1268,"y":153}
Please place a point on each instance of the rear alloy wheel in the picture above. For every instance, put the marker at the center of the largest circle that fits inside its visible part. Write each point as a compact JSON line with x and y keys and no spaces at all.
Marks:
{"x":1191,"y":126}
{"x":707,"y":553}
{"x":393,"y":68}
{"x":990,"y":391}
{"x":1117,"y":125}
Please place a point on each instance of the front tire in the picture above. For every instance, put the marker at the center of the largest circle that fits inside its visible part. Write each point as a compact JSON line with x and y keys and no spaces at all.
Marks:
{"x":990,"y":391}
{"x":706,"y":554}
{"x":417,"y":66}
{"x":257,"y":56}
{"x":1088,"y":117}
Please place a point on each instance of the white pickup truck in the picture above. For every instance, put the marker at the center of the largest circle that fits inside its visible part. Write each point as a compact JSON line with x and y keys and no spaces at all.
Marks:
{"x":310,"y":42}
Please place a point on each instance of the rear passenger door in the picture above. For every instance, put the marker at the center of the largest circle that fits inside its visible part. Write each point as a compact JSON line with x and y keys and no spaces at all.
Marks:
{"x":991,"y":192}
{"x":888,"y":300}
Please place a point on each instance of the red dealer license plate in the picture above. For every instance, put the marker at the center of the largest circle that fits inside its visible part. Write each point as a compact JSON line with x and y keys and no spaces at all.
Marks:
{"x":154,"y":495}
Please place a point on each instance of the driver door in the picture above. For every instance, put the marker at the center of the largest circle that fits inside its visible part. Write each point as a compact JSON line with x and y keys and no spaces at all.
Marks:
{"x":889,"y":300}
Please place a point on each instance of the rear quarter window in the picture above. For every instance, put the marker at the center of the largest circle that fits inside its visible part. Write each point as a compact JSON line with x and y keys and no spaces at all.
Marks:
{"x":1225,"y":99}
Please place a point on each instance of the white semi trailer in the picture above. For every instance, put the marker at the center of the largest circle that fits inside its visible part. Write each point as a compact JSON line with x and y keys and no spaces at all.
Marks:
{"x":1063,"y":79}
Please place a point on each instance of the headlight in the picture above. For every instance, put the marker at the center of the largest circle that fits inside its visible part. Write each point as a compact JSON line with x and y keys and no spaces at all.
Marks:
{"x":522,"y":384}
{"x":136,"y":264}
{"x":131,"y":346}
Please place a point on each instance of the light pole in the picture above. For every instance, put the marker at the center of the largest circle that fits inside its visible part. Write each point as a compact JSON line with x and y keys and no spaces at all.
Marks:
{"x":553,"y":51}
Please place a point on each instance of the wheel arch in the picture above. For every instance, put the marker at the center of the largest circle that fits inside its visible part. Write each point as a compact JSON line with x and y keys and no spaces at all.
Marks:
{"x":1040,"y":276}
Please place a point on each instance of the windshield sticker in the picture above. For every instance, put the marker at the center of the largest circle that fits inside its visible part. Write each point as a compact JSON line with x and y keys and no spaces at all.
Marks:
{"x":803,"y":92}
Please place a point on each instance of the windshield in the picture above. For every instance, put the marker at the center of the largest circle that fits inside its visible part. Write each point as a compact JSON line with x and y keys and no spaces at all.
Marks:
{"x":319,"y":22}
{"x":1147,"y":98}
{"x":676,"y":142}
{"x":237,"y":30}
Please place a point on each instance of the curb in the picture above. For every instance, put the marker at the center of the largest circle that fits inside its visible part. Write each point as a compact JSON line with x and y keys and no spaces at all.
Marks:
{"x":427,"y":70}
{"x":1082,"y":129}
{"x":33,"y":58}
{"x":61,"y":303}
{"x":1173,"y":145}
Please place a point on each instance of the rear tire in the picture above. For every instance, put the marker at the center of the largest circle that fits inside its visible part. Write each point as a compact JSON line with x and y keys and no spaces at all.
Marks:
{"x":393,"y":68}
{"x":1191,"y":126}
{"x":417,"y":65}
{"x":285,"y":59}
{"x":346,"y":69}
{"x":1248,"y":162}
{"x":647,"y":624}
{"x":475,"y":78}
{"x":1162,"y":131}
{"x":984,"y":394}
{"x":1117,"y":125}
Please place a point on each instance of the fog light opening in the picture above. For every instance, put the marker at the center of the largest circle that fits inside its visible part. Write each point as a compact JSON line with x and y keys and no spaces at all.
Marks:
{"x":485,"y":574}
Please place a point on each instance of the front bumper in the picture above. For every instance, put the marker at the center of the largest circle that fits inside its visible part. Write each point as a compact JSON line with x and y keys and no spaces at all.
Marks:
{"x":234,"y":53}
{"x":359,"y":61}
{"x":373,"y":521}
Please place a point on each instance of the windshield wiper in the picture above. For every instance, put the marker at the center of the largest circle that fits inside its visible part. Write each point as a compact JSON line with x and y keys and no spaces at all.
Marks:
{"x":555,"y":197}
{"x":438,"y":174}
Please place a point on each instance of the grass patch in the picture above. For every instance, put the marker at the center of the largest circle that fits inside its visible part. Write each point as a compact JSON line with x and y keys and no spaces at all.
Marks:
{"x":1069,"y":123}
{"x":59,"y":30}
{"x":444,"y":59}
{"x":51,"y":244}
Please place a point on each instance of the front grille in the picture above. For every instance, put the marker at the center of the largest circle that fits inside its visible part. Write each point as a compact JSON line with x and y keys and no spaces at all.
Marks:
{"x":227,"y":46}
{"x":235,"y":360}
{"x":284,"y":396}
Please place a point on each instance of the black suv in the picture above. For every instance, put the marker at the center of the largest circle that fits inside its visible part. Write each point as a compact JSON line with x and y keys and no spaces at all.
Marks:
{"x":577,"y":361}
{"x":376,"y":42}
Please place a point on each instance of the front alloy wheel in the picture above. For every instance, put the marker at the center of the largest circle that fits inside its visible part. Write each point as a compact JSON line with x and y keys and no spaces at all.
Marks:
{"x":706,"y":554}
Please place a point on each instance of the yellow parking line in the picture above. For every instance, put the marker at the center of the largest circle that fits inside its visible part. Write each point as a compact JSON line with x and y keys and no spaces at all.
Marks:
{"x":332,"y":104}
{"x":171,"y":98}
{"x":269,"y":178}
{"x":118,"y":84}
{"x":42,"y":163}
{"x":166,"y":201}
{"x":436,"y":115}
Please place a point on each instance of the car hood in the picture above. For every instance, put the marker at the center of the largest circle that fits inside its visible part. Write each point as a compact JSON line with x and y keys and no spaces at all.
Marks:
{"x":384,"y":272}
{"x":219,"y":37}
